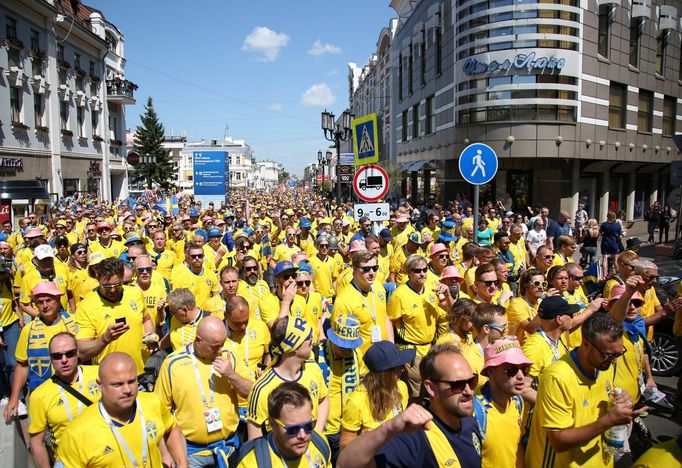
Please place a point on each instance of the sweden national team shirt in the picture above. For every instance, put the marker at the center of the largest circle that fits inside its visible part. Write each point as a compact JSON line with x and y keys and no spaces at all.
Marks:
{"x":415,"y":315}
{"x":89,"y":441}
{"x":357,"y":415}
{"x":202,"y":285}
{"x":370,"y":310}
{"x":312,"y":459}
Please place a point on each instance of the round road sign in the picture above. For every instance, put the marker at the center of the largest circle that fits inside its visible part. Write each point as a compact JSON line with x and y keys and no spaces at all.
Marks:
{"x":371,"y":183}
{"x":133,"y":158}
{"x":478,"y":164}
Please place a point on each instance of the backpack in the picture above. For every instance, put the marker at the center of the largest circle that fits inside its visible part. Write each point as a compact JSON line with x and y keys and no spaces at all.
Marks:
{"x":261,"y":447}
{"x":483,"y":402}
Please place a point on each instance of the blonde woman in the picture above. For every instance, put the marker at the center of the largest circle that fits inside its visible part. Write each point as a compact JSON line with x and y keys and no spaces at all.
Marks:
{"x":381,"y":396}
{"x":589,"y":241}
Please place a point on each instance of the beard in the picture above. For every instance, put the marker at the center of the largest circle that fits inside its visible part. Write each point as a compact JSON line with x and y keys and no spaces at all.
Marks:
{"x":252,"y":279}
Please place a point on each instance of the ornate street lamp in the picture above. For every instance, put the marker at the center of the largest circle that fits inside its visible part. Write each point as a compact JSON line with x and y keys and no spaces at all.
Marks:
{"x":336,"y":133}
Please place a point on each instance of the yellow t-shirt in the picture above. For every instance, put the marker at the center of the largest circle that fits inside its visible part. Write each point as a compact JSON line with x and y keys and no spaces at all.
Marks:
{"x":310,"y":377}
{"x":518,"y":249}
{"x":269,"y":307}
{"x":47,"y":407}
{"x":284,"y":252}
{"x":32,"y":277}
{"x":568,"y":399}
{"x":114,"y":250}
{"x":502,"y":435}
{"x":539,"y":349}
{"x":95,"y":314}
{"x":357,"y":415}
{"x":451,"y":337}
{"x":202,"y":285}
{"x":398,"y":265}
{"x":473,"y":353}
{"x":180,"y":394}
{"x":253,"y":295}
{"x":651,"y":301}
{"x":346,"y":276}
{"x":325,"y":272}
{"x":577,"y":297}
{"x":7,"y":314}
{"x":665,"y":455}
{"x":610,"y":283}
{"x":165,"y":261}
{"x":519,"y":310}
{"x":183,"y":334}
{"x":630,"y":366}
{"x":250,"y":348}
{"x":369,"y":309}
{"x":400,"y":237}
{"x":152,"y":295}
{"x":415,"y":317}
{"x":310,"y":309}
{"x":102,"y":448}
{"x":316,"y":460}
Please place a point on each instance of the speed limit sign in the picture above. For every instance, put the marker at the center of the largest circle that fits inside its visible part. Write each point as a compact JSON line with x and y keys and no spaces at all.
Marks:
{"x":373,"y":211}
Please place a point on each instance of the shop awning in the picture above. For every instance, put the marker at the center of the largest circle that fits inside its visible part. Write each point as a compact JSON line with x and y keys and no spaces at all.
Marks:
{"x":26,"y":189}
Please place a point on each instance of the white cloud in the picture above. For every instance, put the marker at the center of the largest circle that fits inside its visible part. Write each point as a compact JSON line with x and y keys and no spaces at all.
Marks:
{"x":276,"y":106}
{"x":265,"y":42}
{"x":318,"y":95}
{"x":319,"y":49}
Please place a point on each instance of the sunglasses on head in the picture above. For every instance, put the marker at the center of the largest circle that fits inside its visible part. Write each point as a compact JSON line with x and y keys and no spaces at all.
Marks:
{"x":458,"y":386}
{"x":366,"y":269}
{"x":292,"y":430}
{"x":68,"y":354}
{"x":303,"y":283}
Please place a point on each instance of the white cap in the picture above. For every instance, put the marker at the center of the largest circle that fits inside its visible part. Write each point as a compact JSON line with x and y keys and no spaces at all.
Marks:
{"x":43,"y":251}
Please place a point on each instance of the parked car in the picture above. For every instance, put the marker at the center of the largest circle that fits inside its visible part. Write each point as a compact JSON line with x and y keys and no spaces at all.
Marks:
{"x":665,"y":358}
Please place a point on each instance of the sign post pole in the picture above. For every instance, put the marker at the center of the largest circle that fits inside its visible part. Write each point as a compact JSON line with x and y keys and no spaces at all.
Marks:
{"x":478,"y":166}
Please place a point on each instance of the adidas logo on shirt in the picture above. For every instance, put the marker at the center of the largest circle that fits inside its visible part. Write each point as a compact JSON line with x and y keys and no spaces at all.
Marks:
{"x":60,"y":402}
{"x":107,"y":316}
{"x":107,"y":450}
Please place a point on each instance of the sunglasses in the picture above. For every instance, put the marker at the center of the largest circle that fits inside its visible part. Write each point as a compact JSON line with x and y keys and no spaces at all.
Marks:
{"x":292,"y":430}
{"x":324,"y":246}
{"x":244,"y":248}
{"x":636,"y":303}
{"x":145,"y":270}
{"x":576,"y":278}
{"x":442,"y":256}
{"x":547,"y":257}
{"x":105,"y":230}
{"x":251,"y":268}
{"x":490,"y":283}
{"x":195,"y":256}
{"x":287,"y":276}
{"x":420,"y":270}
{"x":539,"y":283}
{"x":112,"y":286}
{"x":68,"y":354}
{"x":500,"y":328}
{"x":607,"y":356}
{"x":153,"y":226}
{"x":458,"y":386}
{"x":651,"y":278}
{"x":303,"y":283}
{"x":80,"y":252}
{"x":366,"y":269}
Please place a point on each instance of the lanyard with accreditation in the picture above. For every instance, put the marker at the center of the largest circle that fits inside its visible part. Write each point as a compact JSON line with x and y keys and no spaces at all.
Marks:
{"x":121,"y":441}
{"x":63,"y":386}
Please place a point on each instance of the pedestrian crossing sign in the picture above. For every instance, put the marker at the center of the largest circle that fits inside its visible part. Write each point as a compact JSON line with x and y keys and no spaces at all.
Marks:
{"x":366,"y":140}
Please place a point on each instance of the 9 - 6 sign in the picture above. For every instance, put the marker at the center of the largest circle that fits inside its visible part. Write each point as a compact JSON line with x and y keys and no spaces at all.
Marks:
{"x":374,"y":211}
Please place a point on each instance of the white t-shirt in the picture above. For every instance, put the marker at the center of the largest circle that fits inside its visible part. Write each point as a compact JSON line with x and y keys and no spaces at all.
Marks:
{"x":536,"y":239}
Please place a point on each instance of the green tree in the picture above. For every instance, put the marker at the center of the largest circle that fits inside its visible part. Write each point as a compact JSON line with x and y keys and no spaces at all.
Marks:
{"x":283,"y":176}
{"x":148,"y":141}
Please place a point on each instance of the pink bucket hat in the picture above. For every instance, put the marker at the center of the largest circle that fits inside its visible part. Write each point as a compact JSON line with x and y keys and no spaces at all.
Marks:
{"x":356,"y":246}
{"x":46,"y":288}
{"x":505,"y":351}
{"x":34,"y":232}
{"x":451,"y":272}
{"x":619,"y":289}
{"x":436,"y":249}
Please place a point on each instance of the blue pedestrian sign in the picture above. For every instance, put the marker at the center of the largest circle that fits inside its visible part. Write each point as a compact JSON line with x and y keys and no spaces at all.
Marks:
{"x":365,"y":140}
{"x":478,"y":164}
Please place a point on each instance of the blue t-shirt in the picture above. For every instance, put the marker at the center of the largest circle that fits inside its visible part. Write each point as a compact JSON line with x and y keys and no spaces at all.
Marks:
{"x":484,"y":237}
{"x":553,"y":229}
{"x":414,"y":451}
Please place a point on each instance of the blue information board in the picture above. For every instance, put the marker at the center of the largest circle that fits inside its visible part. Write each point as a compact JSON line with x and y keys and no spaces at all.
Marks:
{"x":211,"y":172}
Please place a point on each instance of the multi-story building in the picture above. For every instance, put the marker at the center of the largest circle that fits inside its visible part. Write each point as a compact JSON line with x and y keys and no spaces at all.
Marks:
{"x":267,"y":173}
{"x":241,"y":166}
{"x":176,"y":145}
{"x":63,"y":98}
{"x":578,"y":98}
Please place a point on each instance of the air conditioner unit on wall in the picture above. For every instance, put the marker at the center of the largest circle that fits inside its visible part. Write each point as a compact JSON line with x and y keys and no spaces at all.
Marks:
{"x":667,"y":17}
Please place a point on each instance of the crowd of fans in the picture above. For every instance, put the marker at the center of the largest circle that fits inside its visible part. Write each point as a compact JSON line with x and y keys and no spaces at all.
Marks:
{"x":277,"y":330}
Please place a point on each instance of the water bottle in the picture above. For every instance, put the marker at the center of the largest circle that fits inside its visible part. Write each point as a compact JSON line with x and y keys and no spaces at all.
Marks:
{"x":615,"y":437}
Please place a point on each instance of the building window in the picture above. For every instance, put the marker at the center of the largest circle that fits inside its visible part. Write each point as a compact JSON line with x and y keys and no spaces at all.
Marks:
{"x":35,"y":40}
{"x":669,"y":115}
{"x":400,"y":76}
{"x":415,"y":121}
{"x":661,"y":43}
{"x":94,"y":117}
{"x":14,"y":57}
{"x":11,"y":28}
{"x":439,"y":50}
{"x":404,"y":136}
{"x":617,"y":105}
{"x":645,"y":110}
{"x":64,"y":115}
{"x":79,"y":83}
{"x":61,"y":73}
{"x":76,"y":61}
{"x":430,"y":120}
{"x":60,"y":53}
{"x":15,"y":104}
{"x":634,"y":41}
{"x":38,"y":109}
{"x":603,"y":41}
{"x":410,"y":71}
{"x":91,"y":69}
{"x":80,"y":116}
{"x":422,"y":60}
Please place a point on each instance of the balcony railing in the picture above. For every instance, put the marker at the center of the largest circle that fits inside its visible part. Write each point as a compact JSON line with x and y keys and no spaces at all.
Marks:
{"x":121,"y":91}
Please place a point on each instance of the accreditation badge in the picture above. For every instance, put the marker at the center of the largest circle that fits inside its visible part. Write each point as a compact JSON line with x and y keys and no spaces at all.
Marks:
{"x":213,"y":421}
{"x":376,"y":333}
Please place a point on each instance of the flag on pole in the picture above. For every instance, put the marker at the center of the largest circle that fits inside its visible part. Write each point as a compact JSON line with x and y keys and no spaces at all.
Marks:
{"x":592,"y":279}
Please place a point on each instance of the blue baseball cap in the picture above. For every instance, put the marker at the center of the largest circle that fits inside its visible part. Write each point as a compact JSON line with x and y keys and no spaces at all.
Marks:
{"x":248,"y":231}
{"x":304,"y":265}
{"x":214,"y":232}
{"x":193,"y":213}
{"x":132,"y":239}
{"x":202,"y":233}
{"x":284,"y":265}
{"x":229,"y":214}
{"x":384,"y":355}
{"x":305,"y":223}
{"x":416,"y":238}
{"x":386,"y":234}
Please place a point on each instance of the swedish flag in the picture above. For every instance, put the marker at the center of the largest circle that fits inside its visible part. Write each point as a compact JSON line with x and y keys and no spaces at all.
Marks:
{"x":169,"y":205}
{"x":591,"y":278}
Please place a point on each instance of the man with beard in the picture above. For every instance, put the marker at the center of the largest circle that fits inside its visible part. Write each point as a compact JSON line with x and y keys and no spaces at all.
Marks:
{"x":499,"y":407}
{"x":442,"y":435}
{"x":277,"y":304}
{"x":365,"y":229}
{"x":192,"y":275}
{"x":459,"y":324}
{"x":251,"y":286}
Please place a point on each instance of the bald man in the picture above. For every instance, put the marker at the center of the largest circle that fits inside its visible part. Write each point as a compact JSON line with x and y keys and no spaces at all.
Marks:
{"x":205,"y":407}
{"x":116,"y":422}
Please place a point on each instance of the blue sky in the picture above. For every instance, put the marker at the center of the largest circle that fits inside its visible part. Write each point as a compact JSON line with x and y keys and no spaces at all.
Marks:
{"x":265,"y":68}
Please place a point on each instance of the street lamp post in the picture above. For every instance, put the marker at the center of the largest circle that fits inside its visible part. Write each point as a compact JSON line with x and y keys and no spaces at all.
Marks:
{"x":325,"y":160}
{"x":337,"y":133}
